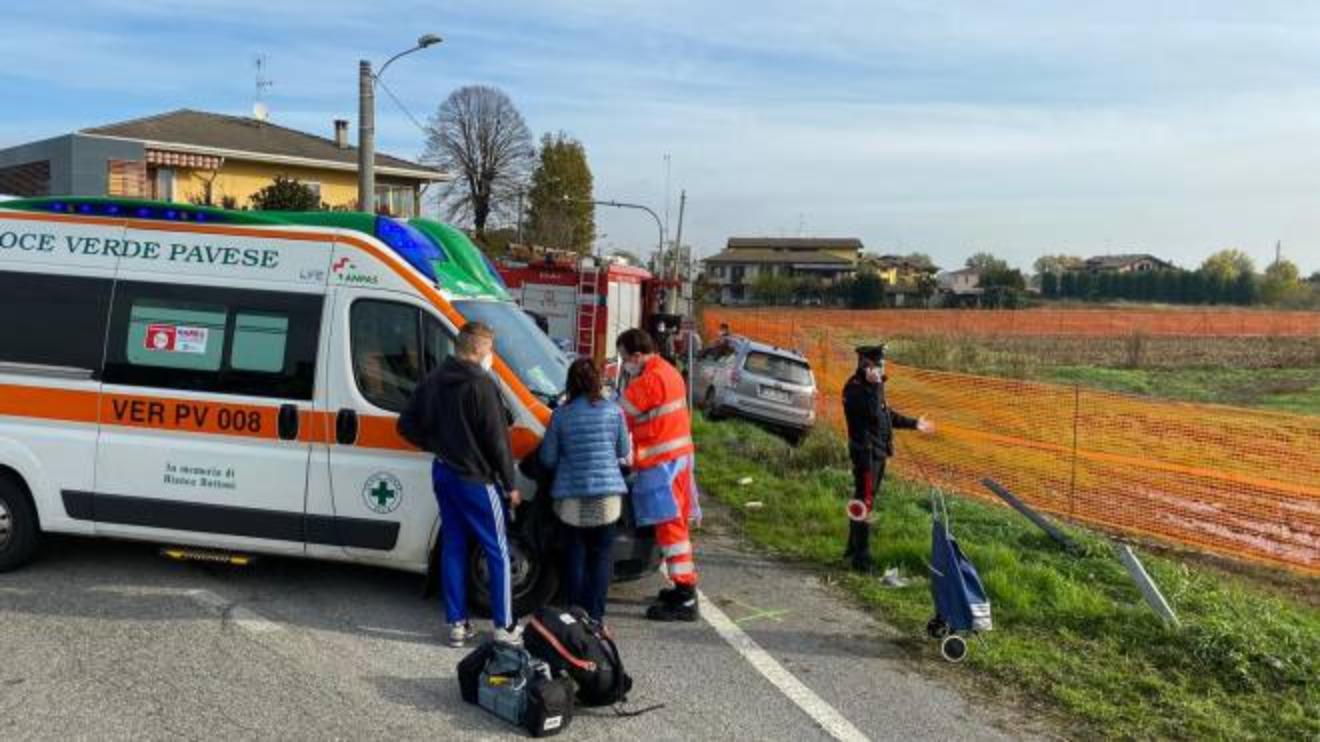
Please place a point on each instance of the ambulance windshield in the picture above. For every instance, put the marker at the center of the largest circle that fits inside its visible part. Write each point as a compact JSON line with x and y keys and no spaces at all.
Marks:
{"x":531,"y":354}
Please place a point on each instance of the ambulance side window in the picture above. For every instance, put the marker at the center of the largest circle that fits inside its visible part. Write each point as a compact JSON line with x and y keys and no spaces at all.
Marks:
{"x":209,"y":339}
{"x":394,"y":346}
{"x":53,"y":321}
{"x":437,"y":344}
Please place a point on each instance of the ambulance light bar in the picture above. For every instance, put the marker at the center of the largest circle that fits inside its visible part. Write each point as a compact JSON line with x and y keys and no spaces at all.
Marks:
{"x":172,"y":212}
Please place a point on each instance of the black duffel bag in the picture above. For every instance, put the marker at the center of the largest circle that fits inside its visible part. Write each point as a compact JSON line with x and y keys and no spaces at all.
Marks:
{"x":573,"y":643}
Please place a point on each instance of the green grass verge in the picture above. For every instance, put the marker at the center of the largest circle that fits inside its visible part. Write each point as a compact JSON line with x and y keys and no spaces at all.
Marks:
{"x":1071,"y":632}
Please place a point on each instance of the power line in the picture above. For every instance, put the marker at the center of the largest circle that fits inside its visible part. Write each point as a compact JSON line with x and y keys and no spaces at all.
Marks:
{"x":402,"y":107}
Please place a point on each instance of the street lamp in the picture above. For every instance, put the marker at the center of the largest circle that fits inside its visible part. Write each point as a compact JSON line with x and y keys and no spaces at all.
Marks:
{"x":660,"y":245}
{"x":367,"y":122}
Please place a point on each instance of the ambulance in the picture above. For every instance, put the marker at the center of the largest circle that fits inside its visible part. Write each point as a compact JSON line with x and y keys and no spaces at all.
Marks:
{"x":230,"y":380}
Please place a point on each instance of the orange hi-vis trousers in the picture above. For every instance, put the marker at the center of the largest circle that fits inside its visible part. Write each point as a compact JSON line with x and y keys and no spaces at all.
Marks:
{"x":673,"y":538}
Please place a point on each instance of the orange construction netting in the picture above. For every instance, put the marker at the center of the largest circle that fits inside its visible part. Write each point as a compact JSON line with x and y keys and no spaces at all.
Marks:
{"x":1238,"y":482}
{"x":1075,"y":322}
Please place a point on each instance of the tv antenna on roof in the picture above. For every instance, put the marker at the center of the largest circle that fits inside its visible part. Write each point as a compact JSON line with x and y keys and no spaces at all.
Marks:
{"x":260,"y":111}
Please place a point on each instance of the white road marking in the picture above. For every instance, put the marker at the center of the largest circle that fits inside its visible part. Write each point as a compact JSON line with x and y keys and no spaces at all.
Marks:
{"x":242,"y":617}
{"x":813,"y":705}
{"x":397,"y":632}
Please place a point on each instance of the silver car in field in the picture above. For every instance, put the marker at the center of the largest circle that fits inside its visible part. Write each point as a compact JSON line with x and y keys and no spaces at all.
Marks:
{"x":759,"y":382}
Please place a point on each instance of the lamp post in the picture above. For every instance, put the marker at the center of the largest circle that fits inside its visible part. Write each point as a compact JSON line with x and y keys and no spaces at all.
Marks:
{"x":660,"y":244}
{"x":367,"y":122}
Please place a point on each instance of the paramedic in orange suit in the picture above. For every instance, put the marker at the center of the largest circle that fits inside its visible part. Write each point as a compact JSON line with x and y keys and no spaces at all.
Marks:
{"x":664,"y":492}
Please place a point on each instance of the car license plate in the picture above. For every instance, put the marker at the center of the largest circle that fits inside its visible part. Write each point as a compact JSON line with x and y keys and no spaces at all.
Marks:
{"x":776,"y":395}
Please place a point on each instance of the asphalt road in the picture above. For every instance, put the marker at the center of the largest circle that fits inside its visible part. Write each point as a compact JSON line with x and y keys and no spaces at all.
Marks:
{"x":109,"y":641}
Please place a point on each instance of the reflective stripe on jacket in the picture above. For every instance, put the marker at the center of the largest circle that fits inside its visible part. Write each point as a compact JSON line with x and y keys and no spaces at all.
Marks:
{"x":655,"y":404}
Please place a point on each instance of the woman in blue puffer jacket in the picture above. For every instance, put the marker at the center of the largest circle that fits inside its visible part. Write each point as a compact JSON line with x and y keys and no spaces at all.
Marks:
{"x":584,"y":445}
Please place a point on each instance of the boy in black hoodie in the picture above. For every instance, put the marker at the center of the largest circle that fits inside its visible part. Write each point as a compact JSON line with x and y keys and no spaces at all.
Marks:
{"x":456,"y":414}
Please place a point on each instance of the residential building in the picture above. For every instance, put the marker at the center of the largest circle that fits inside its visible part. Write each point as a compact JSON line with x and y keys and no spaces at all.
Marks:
{"x":206,"y":158}
{"x":732,"y":272}
{"x":961,"y":287}
{"x":1133,"y":263}
{"x":896,"y":270}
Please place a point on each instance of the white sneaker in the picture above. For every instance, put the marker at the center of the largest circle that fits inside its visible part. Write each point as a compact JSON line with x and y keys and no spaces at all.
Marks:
{"x":511,"y":637}
{"x":460,"y":634}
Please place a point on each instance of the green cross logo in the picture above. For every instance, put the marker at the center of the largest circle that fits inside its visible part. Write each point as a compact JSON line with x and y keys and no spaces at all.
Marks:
{"x":383,"y":492}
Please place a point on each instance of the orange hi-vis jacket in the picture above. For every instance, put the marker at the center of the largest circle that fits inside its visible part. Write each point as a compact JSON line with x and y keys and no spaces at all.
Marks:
{"x":655,"y":404}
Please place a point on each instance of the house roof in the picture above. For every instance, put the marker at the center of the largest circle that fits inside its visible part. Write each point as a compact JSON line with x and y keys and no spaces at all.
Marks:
{"x":749,"y":255}
{"x":897,"y":261}
{"x":247,"y":138}
{"x":794,"y":243}
{"x":1118,"y":261}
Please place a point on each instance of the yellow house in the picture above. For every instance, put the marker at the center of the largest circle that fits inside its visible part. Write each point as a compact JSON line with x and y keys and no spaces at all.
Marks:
{"x":895,"y":270}
{"x":207,"y":158}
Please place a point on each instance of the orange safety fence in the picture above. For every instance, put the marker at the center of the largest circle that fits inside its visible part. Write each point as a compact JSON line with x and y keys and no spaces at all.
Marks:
{"x":1238,"y":482}
{"x":1072,"y":322}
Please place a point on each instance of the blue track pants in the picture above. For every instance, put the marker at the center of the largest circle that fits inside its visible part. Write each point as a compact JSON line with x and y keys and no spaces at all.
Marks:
{"x":472,"y":511}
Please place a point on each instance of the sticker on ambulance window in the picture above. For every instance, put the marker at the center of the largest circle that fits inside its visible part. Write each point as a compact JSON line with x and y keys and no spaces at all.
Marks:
{"x":176,"y":339}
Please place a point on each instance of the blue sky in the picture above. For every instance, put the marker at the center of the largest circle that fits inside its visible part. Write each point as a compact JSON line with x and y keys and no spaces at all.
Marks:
{"x":1021,"y":128}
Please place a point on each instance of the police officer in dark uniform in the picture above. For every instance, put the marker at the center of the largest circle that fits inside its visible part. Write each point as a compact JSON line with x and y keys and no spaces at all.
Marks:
{"x":871,"y":425}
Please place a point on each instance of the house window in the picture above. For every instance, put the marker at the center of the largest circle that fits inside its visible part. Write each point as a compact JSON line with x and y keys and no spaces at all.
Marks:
{"x":30,"y":180}
{"x":126,"y":178}
{"x":163,"y":184}
{"x":395,"y":200}
{"x":315,"y":188}
{"x":737,"y":273}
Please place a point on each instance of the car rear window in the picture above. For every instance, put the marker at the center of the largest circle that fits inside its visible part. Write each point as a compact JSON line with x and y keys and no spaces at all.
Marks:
{"x":779,"y":368}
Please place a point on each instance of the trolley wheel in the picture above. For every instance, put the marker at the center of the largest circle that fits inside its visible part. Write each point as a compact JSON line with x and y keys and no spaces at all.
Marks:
{"x":936,"y":628}
{"x":954,"y":648}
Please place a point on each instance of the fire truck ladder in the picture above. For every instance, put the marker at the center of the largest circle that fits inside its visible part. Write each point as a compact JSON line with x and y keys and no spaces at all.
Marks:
{"x":588,"y":307}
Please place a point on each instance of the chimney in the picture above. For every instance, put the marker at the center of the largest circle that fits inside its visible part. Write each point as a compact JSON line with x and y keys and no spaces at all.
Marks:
{"x":341,"y":133}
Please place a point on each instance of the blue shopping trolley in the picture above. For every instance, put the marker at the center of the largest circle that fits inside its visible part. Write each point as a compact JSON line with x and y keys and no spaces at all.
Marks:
{"x":961,"y":605}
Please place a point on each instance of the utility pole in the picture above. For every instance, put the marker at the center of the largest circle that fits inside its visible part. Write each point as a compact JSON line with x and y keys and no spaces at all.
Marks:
{"x":366,"y":138}
{"x":367,"y":122}
{"x":678,"y":239}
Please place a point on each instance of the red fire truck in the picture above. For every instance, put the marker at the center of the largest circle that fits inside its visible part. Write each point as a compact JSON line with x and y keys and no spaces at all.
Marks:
{"x":586,"y":303}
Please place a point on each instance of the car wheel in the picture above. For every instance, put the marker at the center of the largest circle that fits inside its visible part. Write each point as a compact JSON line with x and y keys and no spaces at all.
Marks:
{"x":19,"y":531}
{"x":708,"y":404}
{"x":534,"y":577}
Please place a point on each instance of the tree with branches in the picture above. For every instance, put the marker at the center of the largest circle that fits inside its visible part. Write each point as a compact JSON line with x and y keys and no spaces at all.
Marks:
{"x":560,"y":212}
{"x":479,"y":136}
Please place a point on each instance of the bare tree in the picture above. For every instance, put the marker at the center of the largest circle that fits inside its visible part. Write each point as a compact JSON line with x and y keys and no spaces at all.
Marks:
{"x":478,"y":135}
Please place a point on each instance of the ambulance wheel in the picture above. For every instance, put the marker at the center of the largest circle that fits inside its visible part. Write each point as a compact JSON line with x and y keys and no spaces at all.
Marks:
{"x":534,"y":577}
{"x":936,"y":628}
{"x":18,"y":525}
{"x":954,"y":648}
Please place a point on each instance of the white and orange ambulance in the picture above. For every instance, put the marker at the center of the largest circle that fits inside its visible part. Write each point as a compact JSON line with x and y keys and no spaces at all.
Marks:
{"x":231,"y":380}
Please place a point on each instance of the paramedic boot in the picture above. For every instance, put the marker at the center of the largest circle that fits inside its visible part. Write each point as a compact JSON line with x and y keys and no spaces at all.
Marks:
{"x":682,"y":607}
{"x":670,"y":595}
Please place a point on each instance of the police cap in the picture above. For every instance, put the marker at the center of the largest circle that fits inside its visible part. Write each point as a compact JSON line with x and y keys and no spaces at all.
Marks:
{"x":873,"y":353}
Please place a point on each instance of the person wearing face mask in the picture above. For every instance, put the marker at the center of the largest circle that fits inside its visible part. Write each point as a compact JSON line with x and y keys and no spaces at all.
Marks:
{"x":664,"y":493}
{"x":456,"y":414}
{"x":871,"y":424}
